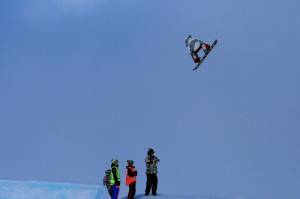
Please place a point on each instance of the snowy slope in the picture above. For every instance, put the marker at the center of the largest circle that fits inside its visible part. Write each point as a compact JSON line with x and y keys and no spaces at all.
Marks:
{"x":46,"y":190}
{"x":164,"y":196}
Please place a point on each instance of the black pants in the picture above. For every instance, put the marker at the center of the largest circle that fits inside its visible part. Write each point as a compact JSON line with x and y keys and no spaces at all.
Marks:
{"x":132,"y":190}
{"x":109,"y":189}
{"x":151,"y":184}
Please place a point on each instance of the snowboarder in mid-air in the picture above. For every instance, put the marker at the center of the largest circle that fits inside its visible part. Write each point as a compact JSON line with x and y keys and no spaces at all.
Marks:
{"x":194,"y":46}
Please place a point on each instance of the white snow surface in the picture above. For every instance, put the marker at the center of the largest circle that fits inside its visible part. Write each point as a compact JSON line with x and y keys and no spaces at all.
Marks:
{"x":49,"y":190}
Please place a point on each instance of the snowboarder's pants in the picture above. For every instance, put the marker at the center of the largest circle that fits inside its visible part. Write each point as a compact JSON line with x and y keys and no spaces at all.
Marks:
{"x":195,"y":57}
{"x":115,"y":192}
{"x":151,"y":184}
{"x":132,"y":190}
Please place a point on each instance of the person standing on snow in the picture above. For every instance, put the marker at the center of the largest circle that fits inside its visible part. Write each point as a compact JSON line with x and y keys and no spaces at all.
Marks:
{"x":114,"y":179}
{"x":106,"y":181}
{"x":151,"y":172}
{"x":131,"y":179}
{"x":194,"y":46}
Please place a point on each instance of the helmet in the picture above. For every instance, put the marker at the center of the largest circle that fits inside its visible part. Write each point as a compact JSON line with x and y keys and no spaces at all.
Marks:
{"x":150,"y":151}
{"x":114,"y":162}
{"x":187,"y":40}
{"x":188,"y":37}
{"x":130,"y":162}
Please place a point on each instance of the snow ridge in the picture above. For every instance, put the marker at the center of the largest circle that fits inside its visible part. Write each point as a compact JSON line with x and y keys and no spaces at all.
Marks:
{"x":47,"y":190}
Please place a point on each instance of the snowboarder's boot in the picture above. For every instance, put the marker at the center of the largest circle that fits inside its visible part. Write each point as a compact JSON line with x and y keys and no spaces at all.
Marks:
{"x":196,"y":58}
{"x":206,"y":48}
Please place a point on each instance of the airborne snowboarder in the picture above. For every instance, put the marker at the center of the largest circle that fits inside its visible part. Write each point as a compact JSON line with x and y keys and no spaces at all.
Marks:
{"x":194,"y":46}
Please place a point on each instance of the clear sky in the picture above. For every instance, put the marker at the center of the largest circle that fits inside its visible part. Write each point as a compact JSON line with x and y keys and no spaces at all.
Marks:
{"x":85,"y":81}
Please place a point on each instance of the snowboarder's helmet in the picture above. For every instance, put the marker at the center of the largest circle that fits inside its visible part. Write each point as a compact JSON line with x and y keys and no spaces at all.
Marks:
{"x":150,"y":151}
{"x":189,"y":37}
{"x":115,"y":162}
{"x":130,"y":162}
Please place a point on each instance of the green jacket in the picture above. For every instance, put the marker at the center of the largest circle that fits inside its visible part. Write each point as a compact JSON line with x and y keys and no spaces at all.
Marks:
{"x":114,"y":178}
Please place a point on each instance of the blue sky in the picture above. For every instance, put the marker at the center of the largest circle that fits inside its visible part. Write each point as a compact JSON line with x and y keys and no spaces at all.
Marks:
{"x":83,"y":82}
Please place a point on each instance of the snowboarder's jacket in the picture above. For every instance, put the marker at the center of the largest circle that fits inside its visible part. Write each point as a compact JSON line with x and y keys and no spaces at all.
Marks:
{"x":192,"y":44}
{"x":114,"y":178}
{"x":130,"y":175}
{"x":151,"y":164}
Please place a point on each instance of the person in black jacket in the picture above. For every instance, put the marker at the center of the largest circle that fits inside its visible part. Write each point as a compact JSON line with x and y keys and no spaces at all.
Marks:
{"x":151,"y":172}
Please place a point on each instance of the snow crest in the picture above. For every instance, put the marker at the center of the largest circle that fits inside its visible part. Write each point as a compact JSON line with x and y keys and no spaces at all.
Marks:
{"x":48,"y":190}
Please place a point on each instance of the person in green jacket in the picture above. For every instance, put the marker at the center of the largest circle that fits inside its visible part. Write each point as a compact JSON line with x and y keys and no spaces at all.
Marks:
{"x":115,"y":179}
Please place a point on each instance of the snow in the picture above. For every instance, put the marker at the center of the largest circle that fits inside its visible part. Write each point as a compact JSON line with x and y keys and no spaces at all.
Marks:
{"x":48,"y":190}
{"x":164,"y":196}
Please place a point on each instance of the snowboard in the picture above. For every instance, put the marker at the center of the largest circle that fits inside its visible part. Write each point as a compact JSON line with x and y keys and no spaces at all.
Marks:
{"x":206,"y":54}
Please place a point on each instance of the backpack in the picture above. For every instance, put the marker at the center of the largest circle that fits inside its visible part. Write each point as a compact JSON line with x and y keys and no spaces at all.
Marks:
{"x":106,"y":178}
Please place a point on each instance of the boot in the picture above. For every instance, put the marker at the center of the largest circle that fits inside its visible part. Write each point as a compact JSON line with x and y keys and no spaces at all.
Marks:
{"x":207,"y":48}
